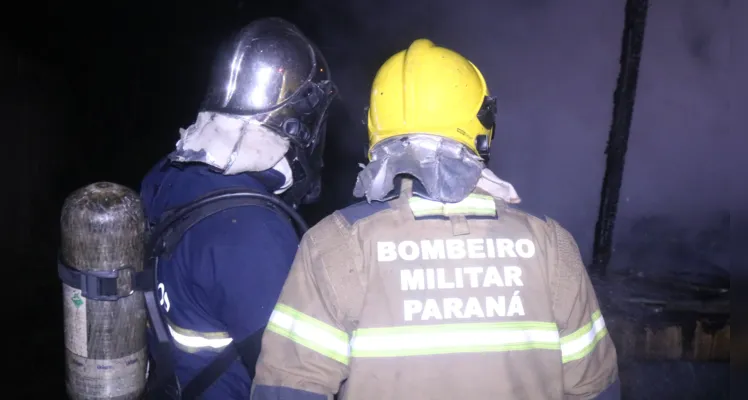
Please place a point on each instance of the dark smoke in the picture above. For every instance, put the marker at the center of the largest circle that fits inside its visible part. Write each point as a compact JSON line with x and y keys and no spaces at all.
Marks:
{"x":674,"y":213}
{"x":553,"y":67}
{"x":98,"y":93}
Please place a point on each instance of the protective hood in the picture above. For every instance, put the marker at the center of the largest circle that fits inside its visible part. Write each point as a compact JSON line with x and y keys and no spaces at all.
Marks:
{"x":447,"y":170}
{"x":168,"y":185}
{"x":498,"y":188}
{"x":233,"y":145}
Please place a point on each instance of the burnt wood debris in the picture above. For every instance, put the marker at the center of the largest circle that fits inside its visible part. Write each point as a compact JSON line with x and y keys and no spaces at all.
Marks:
{"x":618,"y":137}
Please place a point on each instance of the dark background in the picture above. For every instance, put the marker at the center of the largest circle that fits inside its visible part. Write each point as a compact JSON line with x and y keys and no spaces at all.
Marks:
{"x":98,"y":92}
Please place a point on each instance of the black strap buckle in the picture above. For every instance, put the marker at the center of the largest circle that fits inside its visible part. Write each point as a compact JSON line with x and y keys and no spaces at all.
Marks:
{"x":103,"y":285}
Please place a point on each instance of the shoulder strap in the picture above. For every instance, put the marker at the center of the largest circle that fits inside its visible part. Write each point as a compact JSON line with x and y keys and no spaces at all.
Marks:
{"x":163,"y":239}
{"x":176,"y":222}
{"x":248,"y":349}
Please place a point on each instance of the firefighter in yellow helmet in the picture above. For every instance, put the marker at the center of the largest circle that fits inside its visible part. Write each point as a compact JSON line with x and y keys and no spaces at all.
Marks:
{"x":437,"y":286}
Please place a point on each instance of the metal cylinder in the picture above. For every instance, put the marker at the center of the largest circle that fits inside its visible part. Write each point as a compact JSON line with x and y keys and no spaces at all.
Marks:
{"x":103,"y":227}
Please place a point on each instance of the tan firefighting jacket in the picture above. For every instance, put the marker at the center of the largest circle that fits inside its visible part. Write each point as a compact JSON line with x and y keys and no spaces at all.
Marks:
{"x":414,"y":299}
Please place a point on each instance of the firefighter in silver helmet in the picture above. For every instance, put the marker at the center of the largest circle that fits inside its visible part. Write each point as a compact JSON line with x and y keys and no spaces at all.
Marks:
{"x":261,"y":129}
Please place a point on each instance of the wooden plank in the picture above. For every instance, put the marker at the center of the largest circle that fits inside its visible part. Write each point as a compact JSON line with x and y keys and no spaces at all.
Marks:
{"x":666,"y":344}
{"x":635,"y":341}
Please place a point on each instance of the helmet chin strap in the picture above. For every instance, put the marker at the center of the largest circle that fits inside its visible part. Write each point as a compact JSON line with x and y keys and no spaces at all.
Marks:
{"x":305,"y":187}
{"x":285,"y":169}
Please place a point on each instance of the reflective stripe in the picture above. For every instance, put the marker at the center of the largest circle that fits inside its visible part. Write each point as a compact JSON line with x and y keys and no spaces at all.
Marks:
{"x":310,"y":332}
{"x":583,"y":340}
{"x":454,"y":338}
{"x":474,"y":204}
{"x":434,"y":339}
{"x":192,"y":341}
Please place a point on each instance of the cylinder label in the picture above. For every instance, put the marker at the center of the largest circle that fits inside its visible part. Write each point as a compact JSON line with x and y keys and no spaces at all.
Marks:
{"x":105,"y":379}
{"x":76,"y":324}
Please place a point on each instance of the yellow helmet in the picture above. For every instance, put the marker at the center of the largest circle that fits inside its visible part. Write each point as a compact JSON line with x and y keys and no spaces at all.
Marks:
{"x":431,"y":90}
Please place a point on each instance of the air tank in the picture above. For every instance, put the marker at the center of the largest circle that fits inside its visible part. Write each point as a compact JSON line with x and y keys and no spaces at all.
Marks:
{"x":103,"y":229}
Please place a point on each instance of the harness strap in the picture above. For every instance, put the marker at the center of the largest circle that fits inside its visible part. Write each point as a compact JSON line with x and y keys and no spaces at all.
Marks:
{"x":104,"y":285}
{"x":164,"y":238}
{"x":248,"y":350}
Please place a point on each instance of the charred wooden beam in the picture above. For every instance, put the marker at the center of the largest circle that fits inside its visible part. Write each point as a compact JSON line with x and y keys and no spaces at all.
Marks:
{"x":637,"y":342}
{"x":715,"y":307}
{"x":623,"y":108}
{"x":652,"y":319}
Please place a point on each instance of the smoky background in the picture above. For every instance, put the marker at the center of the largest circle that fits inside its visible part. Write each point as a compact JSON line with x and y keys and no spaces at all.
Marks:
{"x":96,"y":92}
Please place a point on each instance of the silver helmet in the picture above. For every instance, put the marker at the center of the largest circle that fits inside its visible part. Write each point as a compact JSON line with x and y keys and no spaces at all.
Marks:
{"x":272,"y":74}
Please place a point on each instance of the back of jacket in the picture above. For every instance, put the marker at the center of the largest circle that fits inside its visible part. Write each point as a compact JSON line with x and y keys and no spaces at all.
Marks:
{"x":414,"y":299}
{"x":223,"y":278}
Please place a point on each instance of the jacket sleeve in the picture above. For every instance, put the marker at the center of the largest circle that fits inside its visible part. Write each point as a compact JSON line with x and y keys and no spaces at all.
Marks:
{"x":250,"y":253}
{"x":590,"y":365}
{"x":305,"y":348}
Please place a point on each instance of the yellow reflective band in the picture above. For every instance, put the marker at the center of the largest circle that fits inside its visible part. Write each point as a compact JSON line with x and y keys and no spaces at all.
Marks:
{"x":581,"y":343}
{"x":191,"y":341}
{"x":474,"y":204}
{"x":454,"y":338}
{"x":310,"y":332}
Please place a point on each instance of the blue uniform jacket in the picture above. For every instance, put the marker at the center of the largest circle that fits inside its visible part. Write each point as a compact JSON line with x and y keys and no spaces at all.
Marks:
{"x":226,"y":274}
